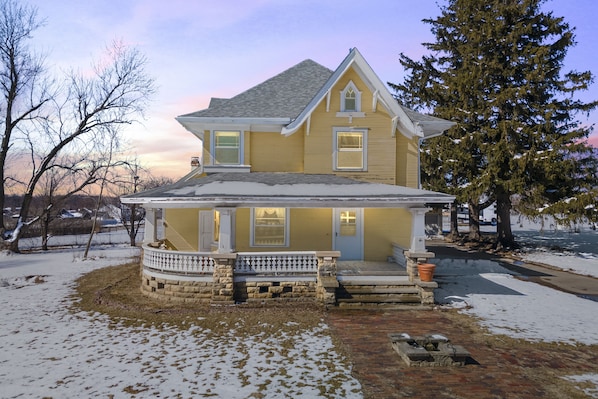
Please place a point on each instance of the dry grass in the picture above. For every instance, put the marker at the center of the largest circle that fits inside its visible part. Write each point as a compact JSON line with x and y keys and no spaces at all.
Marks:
{"x":115,"y":291}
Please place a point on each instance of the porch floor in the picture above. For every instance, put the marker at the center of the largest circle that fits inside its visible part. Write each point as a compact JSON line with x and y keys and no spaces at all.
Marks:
{"x":367,"y":268}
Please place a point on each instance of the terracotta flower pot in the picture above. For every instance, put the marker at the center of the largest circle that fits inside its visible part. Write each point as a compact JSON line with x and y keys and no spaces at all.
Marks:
{"x":426,"y":271}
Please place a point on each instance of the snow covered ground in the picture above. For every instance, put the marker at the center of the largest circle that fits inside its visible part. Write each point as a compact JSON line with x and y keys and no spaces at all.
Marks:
{"x":45,"y":350}
{"x":521,"y":309}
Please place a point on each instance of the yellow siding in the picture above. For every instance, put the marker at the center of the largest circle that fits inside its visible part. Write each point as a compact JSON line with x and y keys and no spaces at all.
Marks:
{"x":181,"y":228}
{"x":407,"y":161}
{"x":381,"y":156}
{"x":242,"y":227}
{"x":272,"y":152}
{"x":382,"y":227}
{"x":310,"y":230}
{"x":206,"y":157}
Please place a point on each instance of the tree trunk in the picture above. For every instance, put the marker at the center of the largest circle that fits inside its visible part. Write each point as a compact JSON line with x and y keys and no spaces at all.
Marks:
{"x":23,"y":215}
{"x":454,"y":231}
{"x":45,"y":230}
{"x":132,"y":231}
{"x":474,"y":221}
{"x":504,"y":234}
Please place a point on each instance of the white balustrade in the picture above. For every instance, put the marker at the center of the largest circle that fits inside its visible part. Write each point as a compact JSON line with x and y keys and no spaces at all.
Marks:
{"x":267,"y":263}
{"x":276,"y":262}
{"x":177,"y":261}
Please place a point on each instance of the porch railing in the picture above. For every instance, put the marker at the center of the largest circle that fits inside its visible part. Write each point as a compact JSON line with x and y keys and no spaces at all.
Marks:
{"x":268,"y":263}
{"x":275,"y":263}
{"x":178,"y":261}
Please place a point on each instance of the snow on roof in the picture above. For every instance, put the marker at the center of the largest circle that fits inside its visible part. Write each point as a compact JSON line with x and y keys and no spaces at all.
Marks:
{"x":286,"y":187}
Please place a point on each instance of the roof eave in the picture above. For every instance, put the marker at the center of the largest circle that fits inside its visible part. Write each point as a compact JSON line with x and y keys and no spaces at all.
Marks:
{"x":197,"y":125}
{"x":294,"y":202}
{"x":434,"y":128}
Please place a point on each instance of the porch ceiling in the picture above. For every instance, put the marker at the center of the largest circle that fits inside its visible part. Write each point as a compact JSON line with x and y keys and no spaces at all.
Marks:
{"x":285,"y":190}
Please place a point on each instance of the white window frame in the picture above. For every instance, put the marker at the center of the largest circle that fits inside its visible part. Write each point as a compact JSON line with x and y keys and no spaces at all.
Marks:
{"x":336,"y":131}
{"x":349,"y":86}
{"x":286,"y":229}
{"x":213,"y":146}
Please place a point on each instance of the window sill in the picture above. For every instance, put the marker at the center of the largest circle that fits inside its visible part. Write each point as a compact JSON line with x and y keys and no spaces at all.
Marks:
{"x":350,"y":114}
{"x":226,"y":168}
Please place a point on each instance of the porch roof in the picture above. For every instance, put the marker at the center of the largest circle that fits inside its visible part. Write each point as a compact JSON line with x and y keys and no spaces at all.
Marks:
{"x":258,"y":189}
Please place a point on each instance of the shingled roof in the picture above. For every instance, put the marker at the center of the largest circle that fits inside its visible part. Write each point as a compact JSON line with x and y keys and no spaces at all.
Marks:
{"x":269,"y":189}
{"x":287,"y":100}
{"x":283,"y":96}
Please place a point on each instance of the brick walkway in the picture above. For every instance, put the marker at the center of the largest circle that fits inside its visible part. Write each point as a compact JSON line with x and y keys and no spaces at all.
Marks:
{"x":500,"y":368}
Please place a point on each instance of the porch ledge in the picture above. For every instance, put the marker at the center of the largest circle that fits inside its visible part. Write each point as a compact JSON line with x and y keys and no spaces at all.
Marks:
{"x":426,"y":254}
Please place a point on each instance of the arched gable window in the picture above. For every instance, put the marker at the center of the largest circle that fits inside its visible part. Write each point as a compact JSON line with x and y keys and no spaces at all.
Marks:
{"x":350,"y":98}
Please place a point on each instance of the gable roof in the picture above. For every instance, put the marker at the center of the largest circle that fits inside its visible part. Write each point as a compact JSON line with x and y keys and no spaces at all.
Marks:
{"x":284,"y":189}
{"x":286,"y":101}
{"x":410,"y":125}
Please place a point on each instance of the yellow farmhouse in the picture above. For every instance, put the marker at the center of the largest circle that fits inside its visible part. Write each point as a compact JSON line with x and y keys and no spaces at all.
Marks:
{"x":308,"y":166}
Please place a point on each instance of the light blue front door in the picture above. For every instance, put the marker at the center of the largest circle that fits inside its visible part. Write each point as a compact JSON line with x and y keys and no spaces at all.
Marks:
{"x":348,"y":233}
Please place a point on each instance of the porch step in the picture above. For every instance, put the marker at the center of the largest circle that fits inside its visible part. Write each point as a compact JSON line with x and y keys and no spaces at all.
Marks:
{"x":385,"y":293}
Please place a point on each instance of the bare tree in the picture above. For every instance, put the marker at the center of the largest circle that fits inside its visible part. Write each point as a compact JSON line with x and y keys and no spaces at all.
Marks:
{"x":86,"y":110}
{"x":132,"y":177}
{"x":23,"y":84}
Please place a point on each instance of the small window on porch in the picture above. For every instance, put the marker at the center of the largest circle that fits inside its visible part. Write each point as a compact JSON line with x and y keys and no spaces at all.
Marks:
{"x":348,"y":223}
{"x":270,"y":228}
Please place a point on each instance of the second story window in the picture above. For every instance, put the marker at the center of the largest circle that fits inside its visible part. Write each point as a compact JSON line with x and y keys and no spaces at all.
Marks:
{"x":350,"y":149}
{"x":227,"y":148}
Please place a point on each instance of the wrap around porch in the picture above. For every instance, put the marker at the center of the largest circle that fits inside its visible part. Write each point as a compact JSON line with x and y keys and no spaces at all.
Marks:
{"x":226,"y":278}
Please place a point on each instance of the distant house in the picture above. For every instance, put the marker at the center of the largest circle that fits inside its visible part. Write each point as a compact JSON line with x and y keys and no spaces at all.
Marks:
{"x":311,"y":160}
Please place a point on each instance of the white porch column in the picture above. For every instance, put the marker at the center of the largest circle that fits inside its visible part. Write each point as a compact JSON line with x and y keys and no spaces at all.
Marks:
{"x":225,"y":238}
{"x":150,"y":230}
{"x":418,"y":229}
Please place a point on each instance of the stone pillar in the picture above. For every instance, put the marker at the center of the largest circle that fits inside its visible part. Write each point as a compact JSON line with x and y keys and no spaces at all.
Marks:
{"x":327,"y":282}
{"x":150,"y":230}
{"x":418,"y":229}
{"x":223,"y":288}
{"x":413,"y":258}
{"x":225,"y":239}
{"x":425,"y":289}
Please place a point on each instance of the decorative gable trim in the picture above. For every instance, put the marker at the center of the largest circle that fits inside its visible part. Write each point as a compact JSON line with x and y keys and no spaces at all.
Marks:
{"x":375,"y":101}
{"x":406,"y":126}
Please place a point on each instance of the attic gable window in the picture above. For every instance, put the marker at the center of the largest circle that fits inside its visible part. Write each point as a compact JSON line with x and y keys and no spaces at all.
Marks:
{"x":226,"y":147}
{"x":350,"y":99}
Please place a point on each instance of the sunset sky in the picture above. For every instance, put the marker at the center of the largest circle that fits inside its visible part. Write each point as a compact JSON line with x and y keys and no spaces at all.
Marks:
{"x":199,"y":49}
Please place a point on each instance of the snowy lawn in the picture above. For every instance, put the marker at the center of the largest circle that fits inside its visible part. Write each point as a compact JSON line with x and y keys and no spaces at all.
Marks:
{"x":519,"y":309}
{"x":46,"y":350}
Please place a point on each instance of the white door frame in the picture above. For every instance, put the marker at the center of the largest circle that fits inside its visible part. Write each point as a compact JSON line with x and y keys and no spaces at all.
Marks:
{"x":360,"y":230}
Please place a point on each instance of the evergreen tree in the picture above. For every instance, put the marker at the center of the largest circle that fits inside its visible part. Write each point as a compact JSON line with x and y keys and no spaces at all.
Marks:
{"x":496,"y":69}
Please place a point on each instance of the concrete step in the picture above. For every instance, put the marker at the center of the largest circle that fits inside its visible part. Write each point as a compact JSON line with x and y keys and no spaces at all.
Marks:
{"x":369,"y":289}
{"x":391,"y":298}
